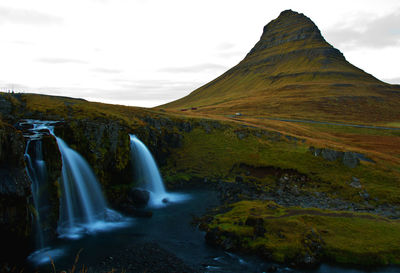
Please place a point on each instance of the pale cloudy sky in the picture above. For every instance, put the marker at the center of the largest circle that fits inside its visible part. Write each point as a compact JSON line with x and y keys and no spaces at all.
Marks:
{"x":149,"y":52}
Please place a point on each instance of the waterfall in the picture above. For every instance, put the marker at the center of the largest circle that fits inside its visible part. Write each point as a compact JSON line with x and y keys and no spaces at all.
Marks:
{"x":83,"y":208}
{"x":83,"y":204}
{"x":37,"y":173}
{"x":148,"y":176}
{"x":36,"y":170}
{"x":146,"y":168}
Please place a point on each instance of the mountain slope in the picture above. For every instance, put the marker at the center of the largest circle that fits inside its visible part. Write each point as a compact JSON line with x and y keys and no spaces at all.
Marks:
{"x":293,"y":72}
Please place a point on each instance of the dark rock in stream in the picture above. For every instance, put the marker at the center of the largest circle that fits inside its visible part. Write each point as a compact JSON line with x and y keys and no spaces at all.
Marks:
{"x":146,"y":257}
{"x":138,"y":197}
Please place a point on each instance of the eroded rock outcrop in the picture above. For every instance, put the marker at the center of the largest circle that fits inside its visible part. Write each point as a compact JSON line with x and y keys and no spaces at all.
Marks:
{"x":349,"y":159}
{"x":104,"y":144}
{"x":52,"y":157}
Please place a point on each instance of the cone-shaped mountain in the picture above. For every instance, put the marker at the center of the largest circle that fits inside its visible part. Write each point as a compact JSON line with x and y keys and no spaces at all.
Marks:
{"x":293,"y":72}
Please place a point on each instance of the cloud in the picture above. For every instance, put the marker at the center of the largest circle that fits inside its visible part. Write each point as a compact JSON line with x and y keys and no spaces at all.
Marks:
{"x":152,"y":89}
{"x":225,"y":46}
{"x":128,"y":92}
{"x":125,"y":91}
{"x":26,"y":16}
{"x":106,"y":70}
{"x":229,"y":50}
{"x":232,"y":54}
{"x":193,"y":68}
{"x":61,"y":61}
{"x":392,"y":80}
{"x":21,"y":43}
{"x":365,"y":32}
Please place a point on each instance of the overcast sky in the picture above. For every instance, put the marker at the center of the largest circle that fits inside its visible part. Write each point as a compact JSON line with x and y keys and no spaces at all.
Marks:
{"x":149,"y":52}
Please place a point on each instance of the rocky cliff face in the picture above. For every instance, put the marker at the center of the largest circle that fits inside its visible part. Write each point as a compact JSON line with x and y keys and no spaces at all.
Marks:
{"x":15,"y":194}
{"x":105,"y":145}
{"x":290,"y":39}
{"x":52,"y":157}
{"x":17,"y":210}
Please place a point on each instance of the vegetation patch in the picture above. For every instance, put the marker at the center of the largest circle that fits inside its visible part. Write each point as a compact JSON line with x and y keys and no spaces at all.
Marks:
{"x":305,"y":236}
{"x":215,"y":155}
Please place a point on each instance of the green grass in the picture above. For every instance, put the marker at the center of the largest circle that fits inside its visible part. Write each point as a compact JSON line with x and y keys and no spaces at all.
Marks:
{"x":214,"y":155}
{"x":350,"y":238}
{"x":393,"y":124}
{"x":352,"y":130}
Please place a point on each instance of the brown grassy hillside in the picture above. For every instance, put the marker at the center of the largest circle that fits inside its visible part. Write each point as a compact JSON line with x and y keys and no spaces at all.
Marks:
{"x":293,"y":72}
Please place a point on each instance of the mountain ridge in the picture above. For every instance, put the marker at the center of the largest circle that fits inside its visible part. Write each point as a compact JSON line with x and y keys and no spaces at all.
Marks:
{"x":293,"y":69}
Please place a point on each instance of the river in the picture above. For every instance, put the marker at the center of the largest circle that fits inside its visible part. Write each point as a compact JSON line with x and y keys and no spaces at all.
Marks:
{"x":170,"y":227}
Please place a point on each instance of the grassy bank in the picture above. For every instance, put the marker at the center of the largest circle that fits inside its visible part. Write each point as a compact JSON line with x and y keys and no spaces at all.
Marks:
{"x":292,"y":234}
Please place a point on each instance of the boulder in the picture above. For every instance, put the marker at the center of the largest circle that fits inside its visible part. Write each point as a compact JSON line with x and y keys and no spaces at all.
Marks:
{"x":355,"y":183}
{"x":364,"y":194}
{"x":331,"y":155}
{"x":138,"y":197}
{"x":350,"y":160}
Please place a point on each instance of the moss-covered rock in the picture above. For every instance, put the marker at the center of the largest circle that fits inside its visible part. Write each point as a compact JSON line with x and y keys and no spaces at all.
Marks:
{"x":304,"y":236}
{"x":105,"y":145}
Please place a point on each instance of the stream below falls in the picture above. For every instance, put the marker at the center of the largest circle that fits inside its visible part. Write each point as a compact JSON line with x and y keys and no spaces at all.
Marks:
{"x":170,"y":227}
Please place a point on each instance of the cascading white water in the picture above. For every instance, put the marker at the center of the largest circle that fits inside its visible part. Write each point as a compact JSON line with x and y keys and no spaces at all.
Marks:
{"x":148,"y":176}
{"x":147,"y":170}
{"x":83,"y":208}
{"x":83,"y":204}
{"x":36,"y":170}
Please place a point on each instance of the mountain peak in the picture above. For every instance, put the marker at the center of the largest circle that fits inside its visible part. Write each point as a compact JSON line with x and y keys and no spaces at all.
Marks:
{"x":289,"y":28}
{"x":293,"y":71}
{"x":291,"y":13}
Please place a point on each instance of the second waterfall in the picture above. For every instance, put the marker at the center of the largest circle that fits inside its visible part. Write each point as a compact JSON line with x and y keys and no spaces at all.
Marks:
{"x":148,"y":177}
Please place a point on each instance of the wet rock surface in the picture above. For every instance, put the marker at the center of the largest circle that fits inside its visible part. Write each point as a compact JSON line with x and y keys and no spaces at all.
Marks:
{"x":138,"y":197}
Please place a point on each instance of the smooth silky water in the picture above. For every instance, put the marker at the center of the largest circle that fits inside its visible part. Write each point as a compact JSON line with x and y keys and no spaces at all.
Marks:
{"x":83,"y":209}
{"x":171,"y":228}
{"x":148,"y":176}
